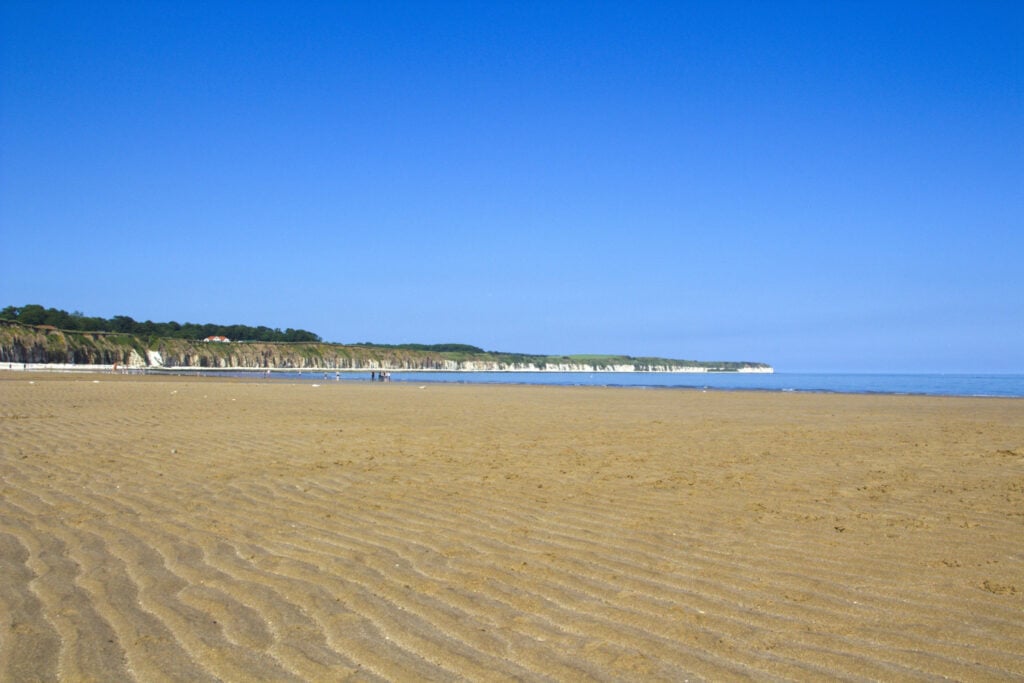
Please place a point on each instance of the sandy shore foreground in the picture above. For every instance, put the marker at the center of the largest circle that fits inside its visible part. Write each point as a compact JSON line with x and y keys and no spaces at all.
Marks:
{"x":187,"y":529}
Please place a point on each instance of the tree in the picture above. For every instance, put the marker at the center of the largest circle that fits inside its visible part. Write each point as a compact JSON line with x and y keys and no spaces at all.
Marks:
{"x":122,"y":323}
{"x":57,"y":318}
{"x":32,"y":314}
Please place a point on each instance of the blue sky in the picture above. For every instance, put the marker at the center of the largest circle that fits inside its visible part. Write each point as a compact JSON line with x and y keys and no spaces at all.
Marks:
{"x":820,"y":186}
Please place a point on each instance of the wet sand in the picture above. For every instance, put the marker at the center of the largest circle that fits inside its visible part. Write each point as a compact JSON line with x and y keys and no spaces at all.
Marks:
{"x":208,"y":529}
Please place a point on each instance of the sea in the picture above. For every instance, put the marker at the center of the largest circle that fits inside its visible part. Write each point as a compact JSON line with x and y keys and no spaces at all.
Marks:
{"x":995,"y":385}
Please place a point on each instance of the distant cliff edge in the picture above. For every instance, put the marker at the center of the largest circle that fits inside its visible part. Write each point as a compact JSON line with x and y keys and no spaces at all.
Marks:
{"x":48,"y":345}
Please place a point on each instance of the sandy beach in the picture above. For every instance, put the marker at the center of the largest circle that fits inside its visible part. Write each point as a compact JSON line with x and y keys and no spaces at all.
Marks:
{"x":162,"y":528}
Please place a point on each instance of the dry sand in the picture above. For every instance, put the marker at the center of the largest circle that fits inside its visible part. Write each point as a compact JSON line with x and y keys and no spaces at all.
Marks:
{"x":204,"y":529}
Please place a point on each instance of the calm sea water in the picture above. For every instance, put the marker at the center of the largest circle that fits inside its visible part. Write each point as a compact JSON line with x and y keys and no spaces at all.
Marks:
{"x":934,"y":384}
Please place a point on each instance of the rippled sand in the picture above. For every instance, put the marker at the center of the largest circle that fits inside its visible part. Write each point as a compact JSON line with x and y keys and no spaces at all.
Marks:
{"x":185,"y":529}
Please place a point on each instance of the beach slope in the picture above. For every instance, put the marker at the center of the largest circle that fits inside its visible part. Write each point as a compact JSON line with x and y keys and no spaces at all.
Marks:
{"x":211,"y":529}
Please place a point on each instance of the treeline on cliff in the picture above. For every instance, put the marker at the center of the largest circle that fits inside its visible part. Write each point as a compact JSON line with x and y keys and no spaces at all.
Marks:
{"x":34,"y":314}
{"x":440,"y":348}
{"x":33,"y":334}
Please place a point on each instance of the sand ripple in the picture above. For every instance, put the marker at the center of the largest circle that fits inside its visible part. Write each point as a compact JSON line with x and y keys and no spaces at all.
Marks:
{"x":171,"y":529}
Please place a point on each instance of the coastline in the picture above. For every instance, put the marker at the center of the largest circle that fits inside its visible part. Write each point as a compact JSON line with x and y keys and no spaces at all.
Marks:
{"x":47,"y":344}
{"x":565,"y":369}
{"x":946,"y":384}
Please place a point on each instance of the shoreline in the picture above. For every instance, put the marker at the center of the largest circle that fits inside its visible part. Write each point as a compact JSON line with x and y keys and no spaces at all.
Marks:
{"x":952,"y":385}
{"x":73,"y":367}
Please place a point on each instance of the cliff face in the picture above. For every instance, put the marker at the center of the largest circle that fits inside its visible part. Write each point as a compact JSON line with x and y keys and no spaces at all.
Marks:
{"x":301,"y":356}
{"x":27,"y":344}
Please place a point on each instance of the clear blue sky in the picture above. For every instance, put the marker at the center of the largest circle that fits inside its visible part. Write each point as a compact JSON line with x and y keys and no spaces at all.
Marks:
{"x":824,"y":186}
